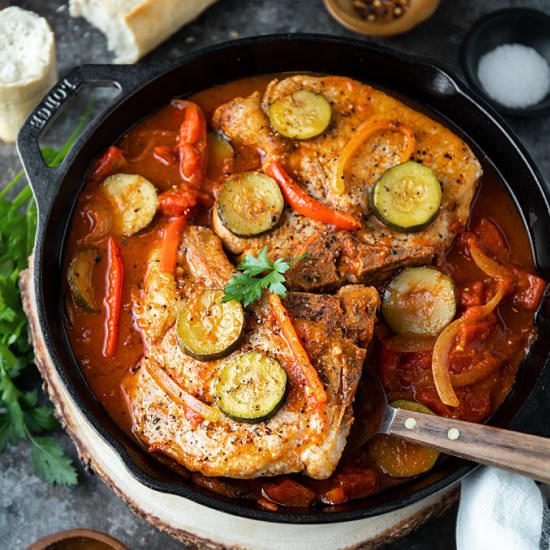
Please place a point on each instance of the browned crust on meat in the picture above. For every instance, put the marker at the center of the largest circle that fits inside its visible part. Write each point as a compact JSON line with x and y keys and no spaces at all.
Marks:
{"x":337,"y":257}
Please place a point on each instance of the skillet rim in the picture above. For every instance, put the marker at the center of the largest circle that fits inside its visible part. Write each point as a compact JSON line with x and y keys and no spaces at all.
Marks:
{"x":146,"y":77}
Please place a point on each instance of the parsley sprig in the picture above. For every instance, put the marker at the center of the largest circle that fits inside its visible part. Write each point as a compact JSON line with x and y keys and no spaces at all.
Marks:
{"x":257,"y":274}
{"x":21,"y":414}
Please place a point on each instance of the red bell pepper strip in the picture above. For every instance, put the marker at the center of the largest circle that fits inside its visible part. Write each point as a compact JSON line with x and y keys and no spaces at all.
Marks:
{"x":177,"y":202}
{"x":192,"y":152}
{"x":170,"y":243}
{"x":192,"y":142}
{"x":302,"y":203}
{"x":314,"y":386}
{"x":113,"y":297}
{"x":107,"y":164}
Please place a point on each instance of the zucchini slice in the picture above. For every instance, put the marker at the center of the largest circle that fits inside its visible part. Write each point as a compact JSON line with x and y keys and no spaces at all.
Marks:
{"x":301,"y":115}
{"x":79,"y":277}
{"x":133,"y":200}
{"x":249,"y":204}
{"x":235,"y":245}
{"x":420,"y":300}
{"x":400,"y":458}
{"x":221,"y":156}
{"x":250,"y":387}
{"x":407,"y":197}
{"x":208,"y":328}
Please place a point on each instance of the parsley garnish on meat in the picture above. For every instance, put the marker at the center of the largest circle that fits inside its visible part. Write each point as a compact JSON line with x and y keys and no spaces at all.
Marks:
{"x":21,"y":415}
{"x":257,"y":274}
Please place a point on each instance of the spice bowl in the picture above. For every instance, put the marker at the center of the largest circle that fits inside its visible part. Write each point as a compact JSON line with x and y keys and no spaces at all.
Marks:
{"x":407,"y":15}
{"x":78,"y":539}
{"x":523,"y":26}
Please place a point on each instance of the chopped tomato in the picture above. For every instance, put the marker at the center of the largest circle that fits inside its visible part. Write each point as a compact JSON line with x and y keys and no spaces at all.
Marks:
{"x":523,"y":288}
{"x":492,"y":239}
{"x":354,"y":481}
{"x":476,"y":406}
{"x":181,"y":201}
{"x":107,"y":164}
{"x":528,"y":289}
{"x":481,"y":350}
{"x":471,"y":294}
{"x":478,"y":331}
{"x":334,"y":496}
{"x":288,"y":492}
{"x":388,"y":362}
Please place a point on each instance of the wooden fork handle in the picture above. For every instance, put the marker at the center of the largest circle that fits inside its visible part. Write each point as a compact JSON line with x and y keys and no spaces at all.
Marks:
{"x":518,"y":452}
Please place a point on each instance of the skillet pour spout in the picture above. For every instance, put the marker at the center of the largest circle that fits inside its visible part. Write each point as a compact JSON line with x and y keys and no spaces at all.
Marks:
{"x":419,"y":82}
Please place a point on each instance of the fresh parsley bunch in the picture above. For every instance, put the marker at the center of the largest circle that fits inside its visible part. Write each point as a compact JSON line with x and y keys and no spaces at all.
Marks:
{"x":258,"y":273}
{"x":21,"y":416}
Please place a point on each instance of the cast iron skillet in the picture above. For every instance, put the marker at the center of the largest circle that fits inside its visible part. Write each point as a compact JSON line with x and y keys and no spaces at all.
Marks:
{"x":144,"y":89}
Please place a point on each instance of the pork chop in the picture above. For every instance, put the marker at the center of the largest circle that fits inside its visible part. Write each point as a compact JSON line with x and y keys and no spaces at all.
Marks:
{"x":338,"y":257}
{"x":335,"y":330}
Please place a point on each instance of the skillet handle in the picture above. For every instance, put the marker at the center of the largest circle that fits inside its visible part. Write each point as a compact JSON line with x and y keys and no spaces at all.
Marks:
{"x":514,"y":451}
{"x":43,"y":179}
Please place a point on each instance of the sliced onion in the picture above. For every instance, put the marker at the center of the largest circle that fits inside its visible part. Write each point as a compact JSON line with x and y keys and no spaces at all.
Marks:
{"x":410,"y":343}
{"x":477,"y":373}
{"x":440,"y":358}
{"x":445,"y":341}
{"x":440,"y":363}
{"x":488,"y":265}
{"x":180,"y":396}
{"x":152,"y":142}
{"x":100,"y":219}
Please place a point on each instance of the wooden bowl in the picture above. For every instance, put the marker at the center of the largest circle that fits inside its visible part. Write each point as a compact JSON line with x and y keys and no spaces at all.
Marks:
{"x":345,"y":14}
{"x":77,"y":539}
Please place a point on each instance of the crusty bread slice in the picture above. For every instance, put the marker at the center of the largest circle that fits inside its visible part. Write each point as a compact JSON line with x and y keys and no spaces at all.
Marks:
{"x":27,"y":67}
{"x":134,"y":27}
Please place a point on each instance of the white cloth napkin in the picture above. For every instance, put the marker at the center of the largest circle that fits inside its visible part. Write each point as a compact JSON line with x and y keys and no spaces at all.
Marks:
{"x":501,"y":510}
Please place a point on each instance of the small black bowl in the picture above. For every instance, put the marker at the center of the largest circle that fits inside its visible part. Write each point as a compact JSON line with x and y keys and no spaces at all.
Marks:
{"x":509,"y":26}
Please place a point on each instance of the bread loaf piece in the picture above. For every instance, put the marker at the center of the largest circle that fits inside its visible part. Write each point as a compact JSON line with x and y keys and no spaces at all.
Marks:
{"x":27,"y":67}
{"x":134,"y":27}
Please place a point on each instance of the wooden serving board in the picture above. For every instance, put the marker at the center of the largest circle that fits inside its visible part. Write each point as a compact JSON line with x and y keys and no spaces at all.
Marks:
{"x":197,"y":525}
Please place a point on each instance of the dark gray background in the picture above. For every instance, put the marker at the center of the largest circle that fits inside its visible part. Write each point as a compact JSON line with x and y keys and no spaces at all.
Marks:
{"x":29,"y":508}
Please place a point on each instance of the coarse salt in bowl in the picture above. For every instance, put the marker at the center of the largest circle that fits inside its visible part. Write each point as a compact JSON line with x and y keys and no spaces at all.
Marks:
{"x":515,"y":75}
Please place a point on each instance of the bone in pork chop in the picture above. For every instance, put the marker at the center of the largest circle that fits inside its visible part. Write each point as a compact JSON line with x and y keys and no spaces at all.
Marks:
{"x":299,"y":438}
{"x":338,"y":257}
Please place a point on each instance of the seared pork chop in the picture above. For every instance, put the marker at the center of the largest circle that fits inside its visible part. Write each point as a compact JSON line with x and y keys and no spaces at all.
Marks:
{"x":337,"y":257}
{"x":299,"y":437}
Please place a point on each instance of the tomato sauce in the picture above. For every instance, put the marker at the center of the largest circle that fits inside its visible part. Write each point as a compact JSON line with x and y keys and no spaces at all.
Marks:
{"x":506,"y":333}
